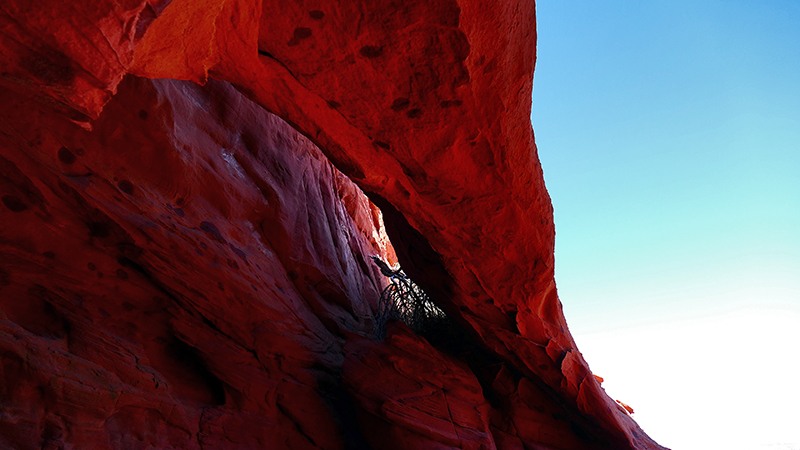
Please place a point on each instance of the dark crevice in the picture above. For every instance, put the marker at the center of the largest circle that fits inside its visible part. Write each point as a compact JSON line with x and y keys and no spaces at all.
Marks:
{"x":453,"y":336}
{"x":197,"y":381}
{"x":415,"y":254}
{"x":340,"y":404}
{"x":446,"y":333}
{"x":343,"y":410}
{"x":269,"y":55}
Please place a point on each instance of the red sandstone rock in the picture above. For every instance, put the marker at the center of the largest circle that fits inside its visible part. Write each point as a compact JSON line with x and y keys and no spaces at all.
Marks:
{"x":183,"y":268}
{"x":414,"y":396}
{"x":180,"y":268}
{"x":625,"y":406}
{"x":71,"y":55}
{"x":598,"y":378}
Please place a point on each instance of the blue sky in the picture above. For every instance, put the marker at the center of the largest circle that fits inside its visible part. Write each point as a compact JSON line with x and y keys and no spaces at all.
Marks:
{"x":669,"y":134}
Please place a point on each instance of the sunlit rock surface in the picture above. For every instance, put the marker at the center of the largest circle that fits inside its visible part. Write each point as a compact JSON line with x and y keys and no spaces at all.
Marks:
{"x":180,"y":268}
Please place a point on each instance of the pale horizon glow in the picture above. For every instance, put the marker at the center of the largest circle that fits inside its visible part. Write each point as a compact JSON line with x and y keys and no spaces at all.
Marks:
{"x":727,"y":381}
{"x":669,"y":135}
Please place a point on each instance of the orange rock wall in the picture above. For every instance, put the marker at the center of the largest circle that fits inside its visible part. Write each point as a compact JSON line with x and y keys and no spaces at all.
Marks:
{"x":182,"y":269}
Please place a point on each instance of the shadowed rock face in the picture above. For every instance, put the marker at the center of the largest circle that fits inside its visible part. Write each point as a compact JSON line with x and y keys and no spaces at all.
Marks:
{"x":187,"y":267}
{"x":180,"y":268}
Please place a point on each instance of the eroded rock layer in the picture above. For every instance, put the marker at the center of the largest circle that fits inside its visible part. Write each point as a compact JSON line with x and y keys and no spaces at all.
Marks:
{"x":177,"y":276}
{"x":180,"y":268}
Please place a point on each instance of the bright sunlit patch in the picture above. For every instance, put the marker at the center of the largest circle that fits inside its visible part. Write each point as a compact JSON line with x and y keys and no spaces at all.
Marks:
{"x":728,"y":381}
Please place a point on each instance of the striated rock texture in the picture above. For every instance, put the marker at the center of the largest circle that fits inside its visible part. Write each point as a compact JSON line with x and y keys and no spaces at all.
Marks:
{"x":180,"y":268}
{"x":181,"y":271}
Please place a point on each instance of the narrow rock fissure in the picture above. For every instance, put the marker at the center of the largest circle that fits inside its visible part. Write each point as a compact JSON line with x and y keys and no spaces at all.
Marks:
{"x":430,"y":320}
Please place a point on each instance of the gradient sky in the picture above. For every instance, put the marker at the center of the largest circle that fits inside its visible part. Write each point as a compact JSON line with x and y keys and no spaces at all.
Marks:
{"x":669,"y":134}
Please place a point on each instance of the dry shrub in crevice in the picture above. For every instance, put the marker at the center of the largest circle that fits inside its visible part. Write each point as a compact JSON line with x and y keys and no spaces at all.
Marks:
{"x":403,"y":300}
